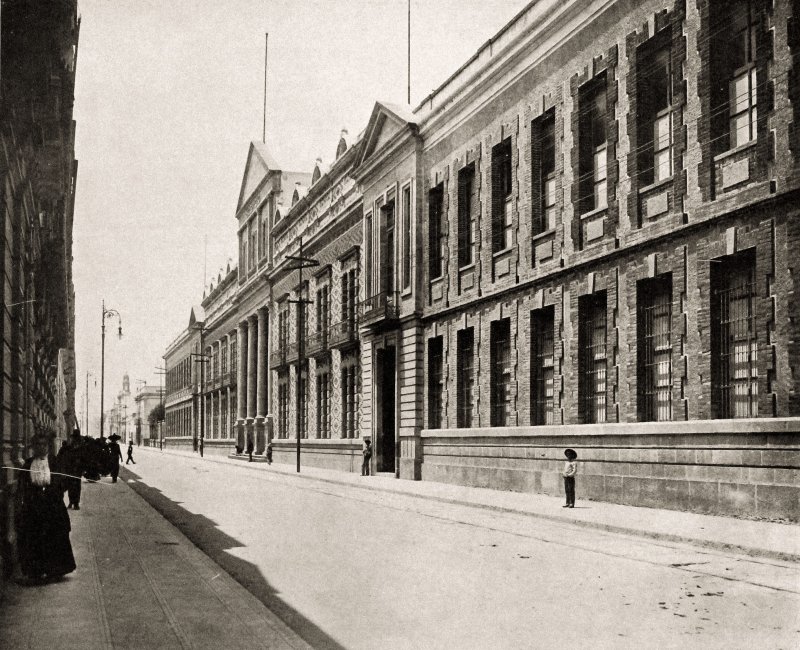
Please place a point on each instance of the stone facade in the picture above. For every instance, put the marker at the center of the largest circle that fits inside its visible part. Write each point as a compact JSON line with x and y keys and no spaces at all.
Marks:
{"x":582,"y":239}
{"x":39,"y":170}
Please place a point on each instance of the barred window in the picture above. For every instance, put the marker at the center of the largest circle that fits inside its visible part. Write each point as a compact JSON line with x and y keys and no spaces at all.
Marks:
{"x":500,"y":359}
{"x":323,"y":401}
{"x":734,"y":344}
{"x":387,"y":252}
{"x":302,"y":399}
{"x":223,"y":416}
{"x":349,"y":370}
{"x":542,"y":365}
{"x":592,"y":350}
{"x":233,"y":355}
{"x":466,"y":215}
{"x":349,"y":295}
{"x":501,"y":196}
{"x":283,"y":404}
{"x":223,"y":356}
{"x":435,"y":381}
{"x":465,"y":376}
{"x":654,"y":358}
{"x":436,"y":234}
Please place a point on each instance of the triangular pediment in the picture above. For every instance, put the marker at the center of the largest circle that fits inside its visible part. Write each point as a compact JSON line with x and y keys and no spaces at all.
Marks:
{"x":259,"y":164}
{"x":384,"y":124}
{"x":197,"y":316}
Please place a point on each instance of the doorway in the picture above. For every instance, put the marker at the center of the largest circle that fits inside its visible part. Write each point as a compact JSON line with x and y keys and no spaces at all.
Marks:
{"x":385,"y":410}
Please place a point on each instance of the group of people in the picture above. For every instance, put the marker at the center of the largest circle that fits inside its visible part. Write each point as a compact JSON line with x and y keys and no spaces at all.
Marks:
{"x":41,"y":518}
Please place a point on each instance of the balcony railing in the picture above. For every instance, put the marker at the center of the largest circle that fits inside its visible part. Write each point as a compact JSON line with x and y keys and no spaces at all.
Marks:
{"x":343,"y":333}
{"x":380,"y":308}
{"x":291,"y":352}
{"x":317,"y":343}
{"x":278,"y":358}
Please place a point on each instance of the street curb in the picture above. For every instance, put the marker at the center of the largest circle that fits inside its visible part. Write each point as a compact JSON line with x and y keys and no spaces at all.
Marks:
{"x":751,"y":551}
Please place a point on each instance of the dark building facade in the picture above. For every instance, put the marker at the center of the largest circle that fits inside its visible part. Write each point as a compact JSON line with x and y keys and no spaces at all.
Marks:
{"x":38,"y":168}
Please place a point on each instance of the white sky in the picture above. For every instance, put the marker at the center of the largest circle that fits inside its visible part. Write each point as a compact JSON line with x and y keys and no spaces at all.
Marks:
{"x":169,"y":94}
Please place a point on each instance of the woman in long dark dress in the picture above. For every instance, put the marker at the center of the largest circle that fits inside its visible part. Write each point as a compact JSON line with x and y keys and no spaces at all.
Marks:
{"x":43,"y":523}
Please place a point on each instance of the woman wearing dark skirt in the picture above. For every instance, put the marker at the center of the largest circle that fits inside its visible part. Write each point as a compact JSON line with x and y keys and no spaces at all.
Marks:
{"x":43,"y":526}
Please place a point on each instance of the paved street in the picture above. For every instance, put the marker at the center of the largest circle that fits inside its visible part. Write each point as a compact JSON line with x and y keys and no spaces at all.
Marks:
{"x":357,"y":568}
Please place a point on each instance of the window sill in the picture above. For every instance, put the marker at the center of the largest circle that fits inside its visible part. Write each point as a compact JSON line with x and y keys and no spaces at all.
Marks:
{"x":721,"y":157}
{"x":657,"y":185}
{"x":594,"y":213}
{"x":543,"y":235}
{"x":437,"y":280}
{"x":501,"y":253}
{"x":467,"y":267}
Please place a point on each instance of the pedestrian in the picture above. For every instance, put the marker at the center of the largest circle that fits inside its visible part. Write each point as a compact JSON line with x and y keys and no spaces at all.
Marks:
{"x":42,"y":521}
{"x":250,"y":447}
{"x":570,"y":470}
{"x":269,"y":453}
{"x":130,"y":453}
{"x":71,"y":461}
{"x":115,"y":456}
{"x":367,"y":456}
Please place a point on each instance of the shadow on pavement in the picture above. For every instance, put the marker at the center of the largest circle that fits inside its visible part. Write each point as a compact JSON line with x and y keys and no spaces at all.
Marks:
{"x":205,"y":535}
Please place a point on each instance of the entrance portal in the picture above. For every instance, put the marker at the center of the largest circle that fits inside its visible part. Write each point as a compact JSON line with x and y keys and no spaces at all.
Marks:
{"x":385,"y":409}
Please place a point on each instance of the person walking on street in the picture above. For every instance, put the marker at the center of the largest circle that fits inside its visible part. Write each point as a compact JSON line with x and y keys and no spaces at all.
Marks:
{"x":130,"y":453}
{"x":367,"y":456}
{"x":41,"y":519}
{"x":570,"y":470}
{"x":269,"y":453}
{"x":70,"y":460}
{"x":116,"y":456}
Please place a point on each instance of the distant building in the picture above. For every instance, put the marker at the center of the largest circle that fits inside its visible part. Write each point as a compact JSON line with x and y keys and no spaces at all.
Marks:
{"x":147,"y":429}
{"x":181,"y":385}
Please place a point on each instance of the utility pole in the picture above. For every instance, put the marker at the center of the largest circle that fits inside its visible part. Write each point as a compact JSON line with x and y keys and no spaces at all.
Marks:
{"x":107,"y":313}
{"x":301,"y":263}
{"x":202,"y":358}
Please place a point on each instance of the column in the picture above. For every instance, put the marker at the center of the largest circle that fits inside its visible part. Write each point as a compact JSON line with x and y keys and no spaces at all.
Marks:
{"x":261,"y":381}
{"x":241,"y":384}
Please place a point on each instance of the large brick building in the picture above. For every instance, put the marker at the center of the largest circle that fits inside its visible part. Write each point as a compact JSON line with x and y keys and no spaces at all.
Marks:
{"x":38,"y":172}
{"x":584,"y":238}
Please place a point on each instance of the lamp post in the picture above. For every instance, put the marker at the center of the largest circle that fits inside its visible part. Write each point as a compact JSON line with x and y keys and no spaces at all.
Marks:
{"x":202,"y":358}
{"x":300,"y":264}
{"x":107,"y":313}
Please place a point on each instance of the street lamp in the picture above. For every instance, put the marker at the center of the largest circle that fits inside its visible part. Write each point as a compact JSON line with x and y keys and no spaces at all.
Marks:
{"x":202,"y":358}
{"x":107,"y":313}
{"x":300,"y":264}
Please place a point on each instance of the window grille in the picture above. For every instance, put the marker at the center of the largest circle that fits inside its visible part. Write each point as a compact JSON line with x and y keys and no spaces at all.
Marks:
{"x":542,"y":370}
{"x":655,"y":349}
{"x":592,"y":345}
{"x":323,"y":308}
{"x":233,"y":356}
{"x":466,"y":376}
{"x":223,"y":414}
{"x":323,"y":403}
{"x":303,"y":399}
{"x":735,"y":380}
{"x":501,"y":373}
{"x":435,"y":382}
{"x":283,"y":405}
{"x":349,"y":372}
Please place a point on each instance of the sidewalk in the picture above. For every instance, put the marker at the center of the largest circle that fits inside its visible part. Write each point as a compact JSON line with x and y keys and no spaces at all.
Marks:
{"x":139,"y":584}
{"x":764,"y":539}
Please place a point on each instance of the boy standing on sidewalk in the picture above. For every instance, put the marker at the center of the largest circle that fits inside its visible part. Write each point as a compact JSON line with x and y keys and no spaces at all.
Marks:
{"x":570,"y":470}
{"x":367,"y":455}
